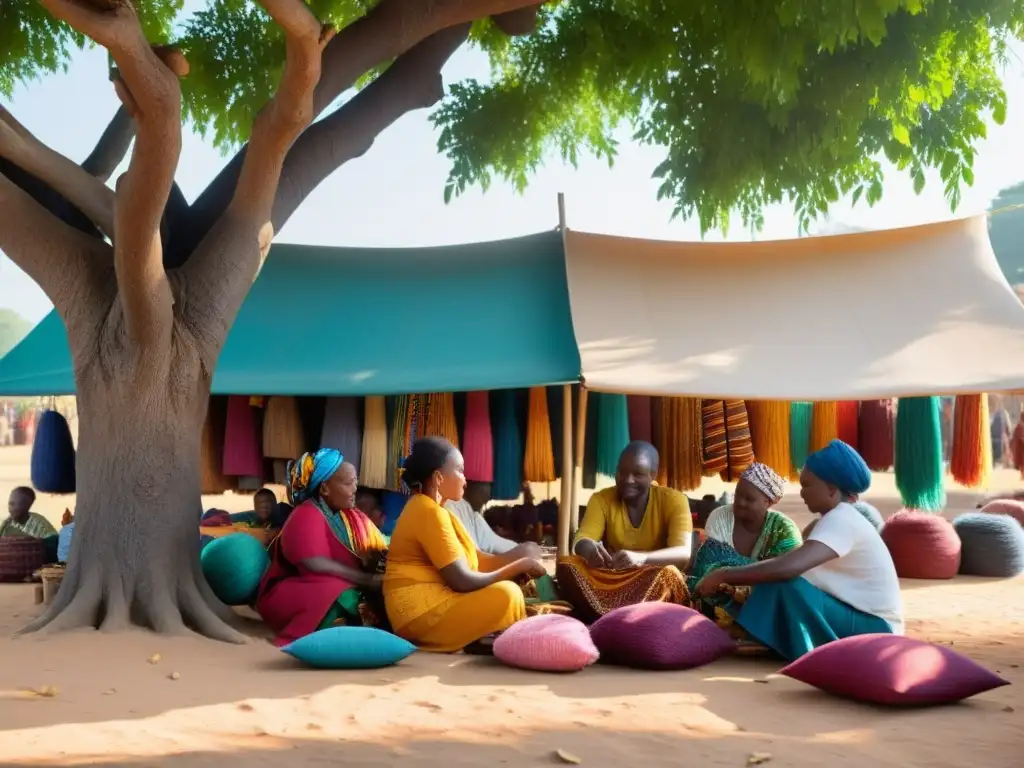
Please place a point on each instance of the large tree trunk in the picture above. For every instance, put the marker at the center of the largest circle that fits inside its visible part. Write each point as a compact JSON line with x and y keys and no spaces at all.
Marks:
{"x":135,"y":553}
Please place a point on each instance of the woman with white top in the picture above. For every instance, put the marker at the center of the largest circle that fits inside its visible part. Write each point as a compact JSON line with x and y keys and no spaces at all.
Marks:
{"x":841,"y":582}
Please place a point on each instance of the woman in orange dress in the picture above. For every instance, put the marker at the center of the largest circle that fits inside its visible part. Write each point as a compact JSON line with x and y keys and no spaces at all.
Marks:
{"x":440,"y":592}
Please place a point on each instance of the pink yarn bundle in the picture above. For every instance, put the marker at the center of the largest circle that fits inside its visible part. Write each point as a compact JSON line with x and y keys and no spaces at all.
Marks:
{"x":243,"y":452}
{"x":640,"y":417}
{"x":477,"y":442}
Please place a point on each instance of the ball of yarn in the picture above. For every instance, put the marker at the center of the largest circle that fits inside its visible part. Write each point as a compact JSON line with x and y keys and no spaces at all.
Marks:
{"x":233,"y":566}
{"x":53,"y":455}
{"x":922,"y":546}
{"x":1014,"y":509}
{"x":992,"y":545}
{"x":871,"y":514}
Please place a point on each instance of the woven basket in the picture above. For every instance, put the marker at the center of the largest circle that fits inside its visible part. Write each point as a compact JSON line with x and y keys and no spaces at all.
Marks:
{"x":20,"y":557}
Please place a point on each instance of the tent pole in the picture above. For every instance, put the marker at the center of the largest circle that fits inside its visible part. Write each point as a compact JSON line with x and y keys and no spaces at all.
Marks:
{"x":566,"y":496}
{"x":581,"y":436}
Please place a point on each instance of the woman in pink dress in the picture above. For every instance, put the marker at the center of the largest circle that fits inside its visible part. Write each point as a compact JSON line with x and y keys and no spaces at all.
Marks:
{"x":326,"y":566}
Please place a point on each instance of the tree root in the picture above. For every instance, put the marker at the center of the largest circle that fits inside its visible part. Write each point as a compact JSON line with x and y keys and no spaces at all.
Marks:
{"x":118,"y":602}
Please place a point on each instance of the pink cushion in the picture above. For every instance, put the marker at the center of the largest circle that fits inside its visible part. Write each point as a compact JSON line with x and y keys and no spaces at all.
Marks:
{"x":1014,"y":509}
{"x":549,"y":643}
{"x":922,"y":545}
{"x":659,"y":636}
{"x":891,"y":669}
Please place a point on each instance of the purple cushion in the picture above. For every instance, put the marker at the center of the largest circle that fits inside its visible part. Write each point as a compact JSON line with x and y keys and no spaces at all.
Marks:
{"x":659,"y":636}
{"x":546,"y":643}
{"x":891,"y":669}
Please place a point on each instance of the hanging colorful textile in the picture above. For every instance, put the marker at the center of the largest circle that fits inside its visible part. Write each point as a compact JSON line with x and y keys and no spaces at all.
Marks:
{"x":877,"y":433}
{"x":52,"y":465}
{"x":640,"y":418}
{"x":282,"y":429}
{"x":242,"y":454}
{"x":847,"y":422}
{"x":739,"y":449}
{"x":343,"y":428}
{"x":769,"y":433}
{"x":539,"y":458}
{"x":715,"y":443}
{"x":397,"y":408}
{"x":799,"y":436}
{"x":612,"y":431}
{"x":678,"y":434}
{"x":373,"y":466}
{"x":478,"y":442}
{"x":971,"y":462}
{"x":824,"y":424}
{"x":918,"y":461}
{"x":508,"y":448}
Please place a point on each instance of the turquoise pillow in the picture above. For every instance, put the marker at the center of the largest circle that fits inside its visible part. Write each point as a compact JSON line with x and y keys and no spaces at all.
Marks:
{"x":233,"y":566}
{"x":350,"y":648}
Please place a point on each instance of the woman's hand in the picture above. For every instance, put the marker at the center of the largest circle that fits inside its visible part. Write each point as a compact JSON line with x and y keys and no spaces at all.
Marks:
{"x":533,"y":568}
{"x":595,"y":553}
{"x":624,"y":560}
{"x":711,"y":584}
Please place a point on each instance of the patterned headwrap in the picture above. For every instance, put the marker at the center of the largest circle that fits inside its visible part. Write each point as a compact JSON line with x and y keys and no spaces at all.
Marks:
{"x":766,"y":480}
{"x":839,"y":465}
{"x":312,"y":470}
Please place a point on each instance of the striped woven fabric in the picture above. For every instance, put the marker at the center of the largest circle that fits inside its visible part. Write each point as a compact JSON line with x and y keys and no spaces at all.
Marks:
{"x":439,"y":419}
{"x":715,"y":449}
{"x":740,"y":449}
{"x":398,"y":406}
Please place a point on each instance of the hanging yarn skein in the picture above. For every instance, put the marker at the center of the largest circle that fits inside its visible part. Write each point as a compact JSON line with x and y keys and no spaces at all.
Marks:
{"x":877,"y":433}
{"x":612,"y":431}
{"x":539,"y":457}
{"x":918,"y":459}
{"x":508,"y":448}
{"x":478,"y":440}
{"x":769,"y":433}
{"x":53,"y":455}
{"x":641,"y":417}
{"x":847,"y":422}
{"x":714,"y":440}
{"x":439,"y":419}
{"x":800,"y":414}
{"x":398,"y":408}
{"x":373,"y":466}
{"x":824,"y":424}
{"x":971,"y":462}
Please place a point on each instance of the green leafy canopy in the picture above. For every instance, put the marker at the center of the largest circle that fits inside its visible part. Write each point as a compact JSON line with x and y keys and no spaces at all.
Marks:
{"x":754,"y":101}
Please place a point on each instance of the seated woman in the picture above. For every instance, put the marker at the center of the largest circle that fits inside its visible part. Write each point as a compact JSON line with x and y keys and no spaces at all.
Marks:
{"x":324,"y":564}
{"x":633,"y":542}
{"x":840,"y":582}
{"x":441,"y":593}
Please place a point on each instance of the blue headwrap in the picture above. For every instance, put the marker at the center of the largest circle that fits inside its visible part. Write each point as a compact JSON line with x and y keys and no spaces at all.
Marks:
{"x":840,"y":465}
{"x":306,"y":475}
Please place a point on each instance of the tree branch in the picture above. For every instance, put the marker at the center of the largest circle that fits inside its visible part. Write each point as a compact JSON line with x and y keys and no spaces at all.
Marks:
{"x":412,"y":82}
{"x":61,"y":259}
{"x":387,"y":31}
{"x":86,"y":192}
{"x":230,"y":255}
{"x":112,"y":146}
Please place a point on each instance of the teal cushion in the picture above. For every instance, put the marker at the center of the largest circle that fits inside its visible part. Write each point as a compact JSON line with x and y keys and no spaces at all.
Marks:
{"x":233,"y":566}
{"x":350,"y":648}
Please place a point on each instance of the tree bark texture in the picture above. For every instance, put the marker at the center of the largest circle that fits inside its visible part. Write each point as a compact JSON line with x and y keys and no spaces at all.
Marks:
{"x":148,"y":285}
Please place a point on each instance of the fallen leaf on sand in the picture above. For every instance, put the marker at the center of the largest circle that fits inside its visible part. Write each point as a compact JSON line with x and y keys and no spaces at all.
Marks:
{"x":758,"y":758}
{"x":567,"y":757}
{"x":174,"y":676}
{"x":154,"y":659}
{"x":110,"y":692}
{"x":762,"y":680}
{"x":1008,"y":708}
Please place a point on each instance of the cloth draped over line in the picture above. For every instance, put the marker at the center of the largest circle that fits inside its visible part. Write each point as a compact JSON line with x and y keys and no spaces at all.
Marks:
{"x":282,"y":429}
{"x":243,"y":455}
{"x":666,"y":523}
{"x":420,"y":606}
{"x":343,"y":428}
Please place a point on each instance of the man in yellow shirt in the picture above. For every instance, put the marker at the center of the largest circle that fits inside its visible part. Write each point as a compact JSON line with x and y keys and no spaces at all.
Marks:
{"x":633,"y":543}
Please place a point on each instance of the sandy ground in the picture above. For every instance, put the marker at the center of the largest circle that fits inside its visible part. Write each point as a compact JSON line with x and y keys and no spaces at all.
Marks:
{"x":250,"y":706}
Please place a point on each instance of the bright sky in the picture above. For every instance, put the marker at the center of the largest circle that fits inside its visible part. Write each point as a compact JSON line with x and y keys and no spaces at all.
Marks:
{"x":392,"y":196}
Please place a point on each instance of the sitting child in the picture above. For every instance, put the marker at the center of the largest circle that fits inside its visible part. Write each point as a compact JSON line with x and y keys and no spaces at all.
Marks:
{"x":264,"y":504}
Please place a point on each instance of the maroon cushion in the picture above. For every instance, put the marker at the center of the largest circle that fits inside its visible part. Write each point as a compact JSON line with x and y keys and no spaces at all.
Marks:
{"x":659,"y":636}
{"x":1014,"y":509}
{"x":922,"y":545}
{"x":891,"y":669}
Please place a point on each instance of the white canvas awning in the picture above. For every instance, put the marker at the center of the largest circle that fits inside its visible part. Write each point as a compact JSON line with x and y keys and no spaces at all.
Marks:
{"x":913,"y":311}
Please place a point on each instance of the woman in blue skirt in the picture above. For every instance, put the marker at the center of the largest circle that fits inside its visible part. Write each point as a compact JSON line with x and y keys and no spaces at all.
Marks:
{"x":840,"y":582}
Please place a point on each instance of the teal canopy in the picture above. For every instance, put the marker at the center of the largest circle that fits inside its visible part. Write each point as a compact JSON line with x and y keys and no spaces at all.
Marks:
{"x":357,"y":321}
